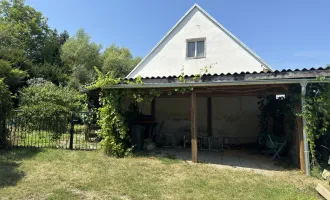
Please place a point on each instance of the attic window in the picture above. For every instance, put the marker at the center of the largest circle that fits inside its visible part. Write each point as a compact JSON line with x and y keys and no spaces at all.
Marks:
{"x":196,"y":48}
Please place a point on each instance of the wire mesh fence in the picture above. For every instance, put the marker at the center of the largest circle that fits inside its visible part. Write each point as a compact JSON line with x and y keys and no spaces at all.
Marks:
{"x":78,"y":131}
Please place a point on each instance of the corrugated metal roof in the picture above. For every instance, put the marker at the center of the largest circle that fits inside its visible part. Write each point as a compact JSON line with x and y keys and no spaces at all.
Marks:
{"x":236,"y":73}
{"x":243,"y":78}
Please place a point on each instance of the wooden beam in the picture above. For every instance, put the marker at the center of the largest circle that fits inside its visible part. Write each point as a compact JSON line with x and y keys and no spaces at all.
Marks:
{"x":209,"y":116}
{"x":300,"y":140}
{"x":193,"y":127}
{"x":323,"y":191}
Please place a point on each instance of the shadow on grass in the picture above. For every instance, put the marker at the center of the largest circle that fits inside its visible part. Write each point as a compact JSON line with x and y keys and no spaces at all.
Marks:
{"x":285,"y":164}
{"x":10,"y":160}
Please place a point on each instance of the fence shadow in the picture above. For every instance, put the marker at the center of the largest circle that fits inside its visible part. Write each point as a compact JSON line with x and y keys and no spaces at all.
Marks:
{"x":10,"y":161}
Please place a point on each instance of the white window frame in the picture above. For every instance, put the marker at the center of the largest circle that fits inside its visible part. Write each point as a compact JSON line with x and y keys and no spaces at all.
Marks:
{"x":195,"y":40}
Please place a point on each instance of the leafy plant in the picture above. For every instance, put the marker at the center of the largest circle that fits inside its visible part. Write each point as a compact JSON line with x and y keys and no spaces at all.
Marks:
{"x":45,"y":105}
{"x":5,"y":109}
{"x":317,"y":116}
{"x":113,"y":121}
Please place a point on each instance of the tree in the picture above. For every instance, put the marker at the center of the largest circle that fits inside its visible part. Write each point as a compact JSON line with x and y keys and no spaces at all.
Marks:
{"x":52,"y":69}
{"x":10,"y":76}
{"x":12,"y":48}
{"x":27,"y":26}
{"x":80,"y":55}
{"x":52,"y":46}
{"x":118,"y":60}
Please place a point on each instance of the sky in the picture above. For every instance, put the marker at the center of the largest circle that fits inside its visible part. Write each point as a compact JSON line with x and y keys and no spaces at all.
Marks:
{"x":287,"y":34}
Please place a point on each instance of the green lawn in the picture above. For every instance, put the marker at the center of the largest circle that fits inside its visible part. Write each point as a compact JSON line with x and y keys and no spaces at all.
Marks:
{"x":64,"y":174}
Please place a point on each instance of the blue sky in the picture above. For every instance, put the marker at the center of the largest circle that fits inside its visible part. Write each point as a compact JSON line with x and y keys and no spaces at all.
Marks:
{"x":285,"y":33}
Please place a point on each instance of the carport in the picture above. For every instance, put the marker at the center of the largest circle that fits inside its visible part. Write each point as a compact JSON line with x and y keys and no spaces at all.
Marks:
{"x":210,"y":87}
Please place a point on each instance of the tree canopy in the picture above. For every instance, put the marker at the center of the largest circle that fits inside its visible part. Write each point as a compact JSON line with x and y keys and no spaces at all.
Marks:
{"x":41,"y":69}
{"x":118,"y":60}
{"x":29,"y":48}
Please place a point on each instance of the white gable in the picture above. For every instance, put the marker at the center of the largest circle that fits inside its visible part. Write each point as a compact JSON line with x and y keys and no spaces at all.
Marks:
{"x":223,"y":51}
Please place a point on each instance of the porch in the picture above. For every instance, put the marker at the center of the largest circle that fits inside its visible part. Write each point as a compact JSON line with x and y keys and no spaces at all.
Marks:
{"x":209,"y":88}
{"x":219,"y":125}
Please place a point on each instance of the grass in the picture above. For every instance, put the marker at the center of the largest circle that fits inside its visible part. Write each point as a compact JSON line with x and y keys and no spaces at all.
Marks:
{"x":63,"y":174}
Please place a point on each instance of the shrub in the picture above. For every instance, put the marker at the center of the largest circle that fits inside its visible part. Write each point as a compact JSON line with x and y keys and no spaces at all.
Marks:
{"x":5,"y":109}
{"x":44,"y":105}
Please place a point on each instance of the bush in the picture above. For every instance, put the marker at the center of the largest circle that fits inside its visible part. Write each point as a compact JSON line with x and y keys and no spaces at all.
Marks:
{"x":44,"y":105}
{"x":5,"y":109}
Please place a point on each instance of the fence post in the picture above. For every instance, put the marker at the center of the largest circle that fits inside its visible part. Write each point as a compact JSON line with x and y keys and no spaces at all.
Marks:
{"x":71,"y":131}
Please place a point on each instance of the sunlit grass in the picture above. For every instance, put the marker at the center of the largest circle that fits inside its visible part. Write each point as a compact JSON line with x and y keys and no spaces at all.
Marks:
{"x":64,"y":174}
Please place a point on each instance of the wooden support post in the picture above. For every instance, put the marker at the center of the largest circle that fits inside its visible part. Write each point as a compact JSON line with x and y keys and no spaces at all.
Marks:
{"x":300,"y":140}
{"x":209,"y":116}
{"x":193,"y":127}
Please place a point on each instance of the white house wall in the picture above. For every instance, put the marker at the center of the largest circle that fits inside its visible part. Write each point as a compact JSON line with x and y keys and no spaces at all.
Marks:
{"x":222,"y":51}
{"x":231,"y":116}
{"x":236,"y":117}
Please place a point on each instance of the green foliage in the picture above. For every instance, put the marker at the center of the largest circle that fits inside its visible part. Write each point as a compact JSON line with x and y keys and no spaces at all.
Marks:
{"x":5,"y":98}
{"x":27,"y":27}
{"x":12,"y":48}
{"x":11,"y":76}
{"x":50,"y":72}
{"x":114,"y":126}
{"x":104,"y":80}
{"x":316,"y":114}
{"x":116,"y":140}
{"x":80,"y":55}
{"x":114,"y":121}
{"x":316,"y":171}
{"x":5,"y":109}
{"x":118,"y":60}
{"x":27,"y":45}
{"x":45,"y":105}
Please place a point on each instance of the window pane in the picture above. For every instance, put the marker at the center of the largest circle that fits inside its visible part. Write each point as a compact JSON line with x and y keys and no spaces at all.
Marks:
{"x":200,"y":49}
{"x":191,"y":49}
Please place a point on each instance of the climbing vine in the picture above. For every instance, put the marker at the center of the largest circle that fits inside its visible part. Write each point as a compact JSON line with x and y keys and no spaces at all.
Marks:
{"x":317,"y":116}
{"x":114,"y":125}
{"x":316,"y":113}
{"x":281,"y":111}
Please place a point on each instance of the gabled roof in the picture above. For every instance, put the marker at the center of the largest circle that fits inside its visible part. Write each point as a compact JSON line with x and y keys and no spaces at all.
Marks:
{"x":264,"y":64}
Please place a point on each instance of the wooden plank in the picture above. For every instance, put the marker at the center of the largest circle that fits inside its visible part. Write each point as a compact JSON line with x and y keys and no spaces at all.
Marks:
{"x":209,"y":116}
{"x":193,"y":127}
{"x":323,"y":191}
{"x":300,"y":140}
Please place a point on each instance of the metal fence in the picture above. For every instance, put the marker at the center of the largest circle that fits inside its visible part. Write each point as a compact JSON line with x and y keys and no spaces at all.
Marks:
{"x":79,"y":131}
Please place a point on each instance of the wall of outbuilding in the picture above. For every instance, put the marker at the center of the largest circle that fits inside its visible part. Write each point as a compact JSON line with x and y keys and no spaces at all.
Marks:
{"x":235,"y":116}
{"x":231,"y":116}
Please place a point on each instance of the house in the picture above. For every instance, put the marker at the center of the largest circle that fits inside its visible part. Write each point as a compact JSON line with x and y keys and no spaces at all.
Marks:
{"x":198,"y":40}
{"x":231,"y":78}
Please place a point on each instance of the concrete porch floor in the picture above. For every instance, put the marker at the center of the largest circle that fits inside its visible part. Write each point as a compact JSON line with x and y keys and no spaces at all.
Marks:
{"x":236,"y":159}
